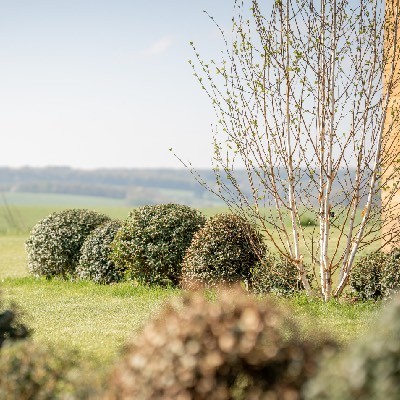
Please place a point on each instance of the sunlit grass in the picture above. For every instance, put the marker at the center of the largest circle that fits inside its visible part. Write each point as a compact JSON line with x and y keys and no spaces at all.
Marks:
{"x":96,"y":320}
{"x":24,"y":217}
{"x":20,"y":216}
{"x":339,"y":320}
{"x":12,"y":256}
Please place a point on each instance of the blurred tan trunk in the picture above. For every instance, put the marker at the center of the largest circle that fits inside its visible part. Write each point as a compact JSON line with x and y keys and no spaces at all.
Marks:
{"x":391,"y":142}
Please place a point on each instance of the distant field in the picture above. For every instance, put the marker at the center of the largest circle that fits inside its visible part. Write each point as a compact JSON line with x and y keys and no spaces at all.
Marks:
{"x":12,"y":256}
{"x":19,"y":212}
{"x":63,"y":200}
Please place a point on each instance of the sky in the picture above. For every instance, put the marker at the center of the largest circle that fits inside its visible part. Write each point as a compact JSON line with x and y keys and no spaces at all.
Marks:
{"x":106,"y":83}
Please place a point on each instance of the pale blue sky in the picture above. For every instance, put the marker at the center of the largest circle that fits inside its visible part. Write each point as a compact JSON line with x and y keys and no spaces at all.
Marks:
{"x":105,"y":83}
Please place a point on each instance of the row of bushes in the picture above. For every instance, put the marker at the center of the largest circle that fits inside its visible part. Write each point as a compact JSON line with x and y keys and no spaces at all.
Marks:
{"x":173,"y":244}
{"x":165,"y":244}
{"x":236,"y":347}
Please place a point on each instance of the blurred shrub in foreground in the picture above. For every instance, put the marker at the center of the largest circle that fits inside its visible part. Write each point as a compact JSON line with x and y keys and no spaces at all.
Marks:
{"x":233,"y":348}
{"x":32,"y":372}
{"x":368,"y":369}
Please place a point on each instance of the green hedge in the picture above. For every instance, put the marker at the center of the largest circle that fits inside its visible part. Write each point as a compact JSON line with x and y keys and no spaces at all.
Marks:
{"x":222,"y":252}
{"x":55,"y":242}
{"x":94,"y":263}
{"x":275,"y":274}
{"x":153,"y":240}
{"x":376,"y":275}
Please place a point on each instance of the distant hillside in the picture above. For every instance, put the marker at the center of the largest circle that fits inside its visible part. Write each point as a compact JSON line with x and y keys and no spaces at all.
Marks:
{"x":150,"y":186}
{"x":135,"y":186}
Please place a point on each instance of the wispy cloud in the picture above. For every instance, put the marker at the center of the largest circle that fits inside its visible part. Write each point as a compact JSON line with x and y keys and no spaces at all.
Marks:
{"x":160,"y":46}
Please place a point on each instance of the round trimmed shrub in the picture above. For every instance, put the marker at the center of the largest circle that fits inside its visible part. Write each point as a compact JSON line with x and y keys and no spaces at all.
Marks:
{"x":275,"y":274}
{"x":222,"y":252}
{"x":367,"y":369}
{"x":94,"y":263}
{"x":233,"y":348}
{"x":376,"y":275}
{"x":152,"y":241}
{"x":54,"y":244}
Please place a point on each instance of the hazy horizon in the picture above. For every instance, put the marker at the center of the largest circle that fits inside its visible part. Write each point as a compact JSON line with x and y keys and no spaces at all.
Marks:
{"x":83,"y":168}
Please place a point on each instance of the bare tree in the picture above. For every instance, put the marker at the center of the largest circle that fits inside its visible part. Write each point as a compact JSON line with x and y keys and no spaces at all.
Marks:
{"x":305,"y":105}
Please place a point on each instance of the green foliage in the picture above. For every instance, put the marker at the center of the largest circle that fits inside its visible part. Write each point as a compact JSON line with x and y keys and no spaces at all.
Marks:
{"x":152,"y":242}
{"x":54,"y":244}
{"x":376,"y":275}
{"x":368,"y":369}
{"x":94,"y":263}
{"x":307,"y":221}
{"x":223,"y":251}
{"x":275,"y":274}
{"x":233,"y":348}
{"x":28,"y":371}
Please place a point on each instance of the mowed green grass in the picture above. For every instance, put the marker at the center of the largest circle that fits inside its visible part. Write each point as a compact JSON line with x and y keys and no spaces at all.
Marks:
{"x":12,"y":256}
{"x":97,"y":320}
{"x":24,"y":210}
{"x":339,"y":320}
{"x":93,"y":319}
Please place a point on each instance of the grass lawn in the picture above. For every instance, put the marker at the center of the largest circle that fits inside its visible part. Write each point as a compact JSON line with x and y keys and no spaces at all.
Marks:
{"x":12,"y":256}
{"x":97,"y":320}
{"x":24,"y":210}
{"x":339,"y":320}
